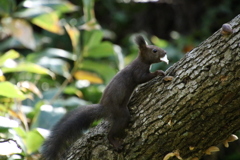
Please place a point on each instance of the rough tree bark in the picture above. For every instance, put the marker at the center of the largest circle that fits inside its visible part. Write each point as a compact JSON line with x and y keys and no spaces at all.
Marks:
{"x":198,"y":109}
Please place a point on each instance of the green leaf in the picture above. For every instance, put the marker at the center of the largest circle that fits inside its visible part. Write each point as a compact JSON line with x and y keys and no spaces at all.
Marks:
{"x":11,"y":54}
{"x":50,"y":58}
{"x":7,"y":89}
{"x":92,"y":38}
{"x":70,"y":90}
{"x":9,"y":43}
{"x":88,"y":6}
{"x":51,"y":53}
{"x":48,"y":116}
{"x":102,"y":69}
{"x":28,"y":67}
{"x":21,"y":132}
{"x":6,"y":7}
{"x":33,"y":141}
{"x":30,"y":13}
{"x":64,"y":7}
{"x":56,"y":65}
{"x":104,"y":49}
{"x":159,"y":42}
{"x":95,"y":38}
{"x":72,"y":101}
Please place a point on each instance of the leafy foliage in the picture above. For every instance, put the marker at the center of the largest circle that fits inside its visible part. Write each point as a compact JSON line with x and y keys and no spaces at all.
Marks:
{"x":42,"y":75}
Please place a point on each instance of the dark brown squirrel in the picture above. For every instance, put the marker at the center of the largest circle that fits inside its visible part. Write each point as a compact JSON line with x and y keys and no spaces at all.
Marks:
{"x":112,"y":106}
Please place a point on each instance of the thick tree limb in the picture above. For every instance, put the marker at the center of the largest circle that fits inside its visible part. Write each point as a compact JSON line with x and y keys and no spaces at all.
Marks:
{"x":198,"y":109}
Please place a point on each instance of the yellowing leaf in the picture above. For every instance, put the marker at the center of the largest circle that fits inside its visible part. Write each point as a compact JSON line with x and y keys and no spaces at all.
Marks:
{"x":74,"y":35}
{"x":31,"y":87}
{"x":103,"y":69}
{"x":2,"y":78}
{"x":91,"y":25}
{"x":21,"y":30}
{"x":49,"y":22}
{"x":91,"y":77}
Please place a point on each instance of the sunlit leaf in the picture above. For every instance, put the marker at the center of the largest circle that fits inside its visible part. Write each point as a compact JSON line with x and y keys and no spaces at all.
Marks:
{"x":32,"y":12}
{"x":21,"y":132}
{"x":38,"y":7}
{"x":65,"y":6}
{"x":49,"y":22}
{"x":28,"y":67}
{"x":51,"y":53}
{"x":2,"y":77}
{"x":21,"y":30}
{"x":13,"y":113}
{"x":60,"y":6}
{"x":33,"y":141}
{"x":56,"y":65}
{"x":91,"y":77}
{"x":3,"y":108}
{"x":22,"y":117}
{"x":73,"y":91}
{"x":45,"y":117}
{"x":11,"y":54}
{"x":74,"y":36}
{"x":31,"y":87}
{"x":7,"y":89}
{"x":72,"y":101}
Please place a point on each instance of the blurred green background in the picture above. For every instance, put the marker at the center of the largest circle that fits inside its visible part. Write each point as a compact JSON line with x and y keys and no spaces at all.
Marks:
{"x":59,"y":55}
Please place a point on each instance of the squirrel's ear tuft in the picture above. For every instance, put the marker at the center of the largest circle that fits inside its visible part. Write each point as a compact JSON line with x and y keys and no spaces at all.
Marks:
{"x":140,"y":41}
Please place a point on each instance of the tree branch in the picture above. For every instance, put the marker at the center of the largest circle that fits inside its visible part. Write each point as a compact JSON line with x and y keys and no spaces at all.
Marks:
{"x":198,"y":109}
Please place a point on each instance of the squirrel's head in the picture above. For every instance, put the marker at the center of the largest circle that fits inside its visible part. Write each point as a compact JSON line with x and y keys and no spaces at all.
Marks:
{"x":149,"y":53}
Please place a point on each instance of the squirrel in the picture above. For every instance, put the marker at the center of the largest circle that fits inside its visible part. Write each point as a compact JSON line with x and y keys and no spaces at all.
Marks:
{"x":112,"y":106}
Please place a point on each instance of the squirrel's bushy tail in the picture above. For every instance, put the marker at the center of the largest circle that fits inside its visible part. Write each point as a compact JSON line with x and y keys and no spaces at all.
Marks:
{"x":68,"y":129}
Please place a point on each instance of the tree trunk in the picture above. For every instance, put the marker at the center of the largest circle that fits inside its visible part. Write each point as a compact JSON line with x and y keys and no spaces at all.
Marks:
{"x":183,"y":117}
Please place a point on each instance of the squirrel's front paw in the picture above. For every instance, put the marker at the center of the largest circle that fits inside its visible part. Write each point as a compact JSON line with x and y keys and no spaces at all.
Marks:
{"x":160,"y":73}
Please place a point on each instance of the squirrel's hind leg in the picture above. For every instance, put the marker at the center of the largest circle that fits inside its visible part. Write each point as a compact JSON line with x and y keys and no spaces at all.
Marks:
{"x":119,"y":123}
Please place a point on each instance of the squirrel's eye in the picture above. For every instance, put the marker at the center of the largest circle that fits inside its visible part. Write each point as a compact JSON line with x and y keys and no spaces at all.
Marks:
{"x":154,"y":51}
